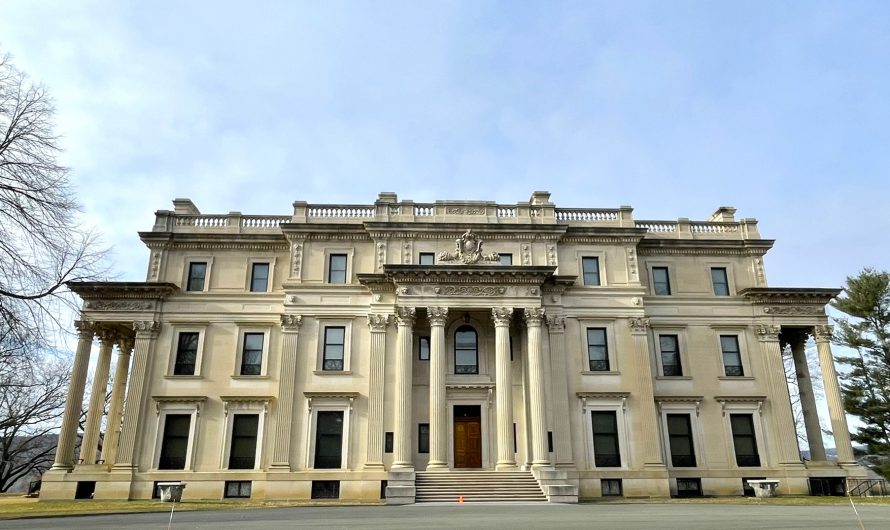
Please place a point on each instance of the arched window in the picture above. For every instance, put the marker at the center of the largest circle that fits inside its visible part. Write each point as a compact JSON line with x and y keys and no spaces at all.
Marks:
{"x":466,"y":351}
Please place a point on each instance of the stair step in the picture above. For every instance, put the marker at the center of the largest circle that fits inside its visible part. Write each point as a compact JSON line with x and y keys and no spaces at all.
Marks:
{"x":477,"y":486}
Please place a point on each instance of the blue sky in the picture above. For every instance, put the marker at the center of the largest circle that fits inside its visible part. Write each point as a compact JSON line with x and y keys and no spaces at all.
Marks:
{"x":777,"y":108}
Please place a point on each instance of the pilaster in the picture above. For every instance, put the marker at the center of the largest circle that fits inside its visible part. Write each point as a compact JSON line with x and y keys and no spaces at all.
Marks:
{"x":403,"y":449}
{"x":562,"y":443}
{"x":290,"y":331}
{"x":534,"y":316}
{"x":652,"y":453}
{"x":377,"y":324}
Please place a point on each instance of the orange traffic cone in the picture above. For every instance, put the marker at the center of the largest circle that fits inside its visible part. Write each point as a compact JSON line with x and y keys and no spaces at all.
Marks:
{"x":460,"y":499}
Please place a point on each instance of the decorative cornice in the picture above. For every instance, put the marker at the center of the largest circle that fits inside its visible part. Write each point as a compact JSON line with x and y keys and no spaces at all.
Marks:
{"x":704,"y":247}
{"x":103,"y":292}
{"x":534,"y":316}
{"x":247,"y":399}
{"x":291,"y":322}
{"x":331,"y":395}
{"x":437,"y":316}
{"x":796,"y":310}
{"x":378,"y":322}
{"x":602,"y":395}
{"x":789,"y":295}
{"x":460,"y":274}
{"x":501,"y":315}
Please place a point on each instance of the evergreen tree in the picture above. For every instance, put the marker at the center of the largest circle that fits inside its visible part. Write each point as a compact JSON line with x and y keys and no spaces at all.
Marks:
{"x":866,"y":385}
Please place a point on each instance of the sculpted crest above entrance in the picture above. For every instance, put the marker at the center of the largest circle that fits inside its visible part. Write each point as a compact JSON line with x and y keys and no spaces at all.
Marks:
{"x":469,"y":251}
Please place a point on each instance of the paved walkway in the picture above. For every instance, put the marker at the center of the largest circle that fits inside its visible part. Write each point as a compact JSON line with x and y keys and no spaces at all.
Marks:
{"x":506,"y":515}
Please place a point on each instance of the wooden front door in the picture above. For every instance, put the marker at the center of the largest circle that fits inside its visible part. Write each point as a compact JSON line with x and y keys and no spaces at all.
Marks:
{"x":467,"y":437}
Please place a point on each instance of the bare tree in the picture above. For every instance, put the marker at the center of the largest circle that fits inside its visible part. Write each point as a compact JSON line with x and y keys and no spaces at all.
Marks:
{"x":31,"y":406}
{"x":41,"y":244}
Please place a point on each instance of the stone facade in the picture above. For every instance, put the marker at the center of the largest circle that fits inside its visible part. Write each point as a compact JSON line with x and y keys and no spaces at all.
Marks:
{"x":338,"y":351}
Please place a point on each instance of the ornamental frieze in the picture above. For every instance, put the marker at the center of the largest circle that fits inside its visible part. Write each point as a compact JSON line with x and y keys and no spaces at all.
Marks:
{"x":457,"y":210}
{"x":118,"y":305}
{"x":794,"y":310}
{"x":470,"y":290}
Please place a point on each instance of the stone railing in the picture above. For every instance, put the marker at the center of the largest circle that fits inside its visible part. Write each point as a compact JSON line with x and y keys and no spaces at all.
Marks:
{"x":657,"y":227}
{"x":586,"y":215}
{"x":325,"y":212}
{"x":231,"y":223}
{"x":686,"y":229}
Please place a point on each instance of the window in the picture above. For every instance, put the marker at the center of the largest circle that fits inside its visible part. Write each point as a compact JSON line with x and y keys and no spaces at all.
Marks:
{"x":186,"y":353}
{"x":242,"y":452}
{"x":549,"y":441}
{"x":427,"y":258}
{"x":720,"y":281}
{"x":423,"y":349}
{"x":732,"y":357}
{"x":237,"y":489}
{"x":197,"y":272}
{"x":612,"y":487}
{"x":590,"y":268}
{"x":680,"y":438}
{"x":325,"y":489}
{"x":605,"y":439}
{"x":334,"y":345}
{"x":689,"y":487}
{"x":252,"y":354}
{"x":174,"y":446}
{"x":423,"y":438}
{"x":744,"y":440}
{"x":259,"y":278}
{"x":506,"y":259}
{"x":337,"y":268}
{"x":387,"y":442}
{"x":661,"y":280}
{"x":597,"y":350}
{"x":670,"y":355}
{"x":466,"y":353}
{"x":329,"y":439}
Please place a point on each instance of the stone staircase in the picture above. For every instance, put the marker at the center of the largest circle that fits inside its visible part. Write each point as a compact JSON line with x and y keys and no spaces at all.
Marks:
{"x":478,"y":486}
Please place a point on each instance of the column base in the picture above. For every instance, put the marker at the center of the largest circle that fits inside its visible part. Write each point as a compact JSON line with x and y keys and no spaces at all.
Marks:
{"x":542,"y":464}
{"x":62,"y":467}
{"x":280,"y":467}
{"x":374,"y":466}
{"x":506,"y":466}
{"x":437,"y":465}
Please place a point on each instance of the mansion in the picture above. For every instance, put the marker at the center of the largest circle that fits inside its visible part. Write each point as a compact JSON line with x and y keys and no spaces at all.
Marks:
{"x":414,"y":352}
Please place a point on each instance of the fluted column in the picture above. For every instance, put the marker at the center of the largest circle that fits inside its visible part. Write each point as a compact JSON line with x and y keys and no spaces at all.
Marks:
{"x":71,"y":416}
{"x":89,"y":446}
{"x":504,"y":387}
{"x":652,"y":453}
{"x":833,"y":396}
{"x":534,"y":316}
{"x":290,"y":336}
{"x":779,"y":403}
{"x":378,"y":324}
{"x":146,"y":332}
{"x":438,"y":404}
{"x":118,"y":391}
{"x":562,"y":435}
{"x":807,"y":397}
{"x":403,"y":451}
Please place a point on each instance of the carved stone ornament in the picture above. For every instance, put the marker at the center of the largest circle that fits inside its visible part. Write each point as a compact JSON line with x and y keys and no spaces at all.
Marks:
{"x":118,"y":305}
{"x":146,"y":326}
{"x":405,"y":316}
{"x":291,"y":322}
{"x":556,"y":323}
{"x":534,"y":316}
{"x":638,"y":325}
{"x":437,"y":315}
{"x":457,"y":210}
{"x":823,"y":333}
{"x":767,"y":332}
{"x":468,"y":250}
{"x":125,"y":345}
{"x":470,"y":290}
{"x":794,"y":310}
{"x":85,"y":328}
{"x":107,"y":336}
{"x":502,"y":315}
{"x":378,"y":322}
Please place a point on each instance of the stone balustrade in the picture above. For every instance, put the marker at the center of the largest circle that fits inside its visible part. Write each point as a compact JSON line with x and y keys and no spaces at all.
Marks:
{"x":539,"y":210}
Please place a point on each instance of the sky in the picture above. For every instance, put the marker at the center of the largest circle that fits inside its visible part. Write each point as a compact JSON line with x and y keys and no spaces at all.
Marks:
{"x":780,"y":109}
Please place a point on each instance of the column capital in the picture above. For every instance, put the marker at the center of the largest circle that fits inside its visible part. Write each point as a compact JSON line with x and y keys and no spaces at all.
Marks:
{"x":146,"y":326}
{"x":405,"y":316}
{"x":378,"y":322}
{"x":767,"y":332}
{"x":638,"y":325}
{"x":556,"y":323}
{"x":291,"y":323}
{"x":125,"y":344}
{"x":823,"y":333}
{"x":534,"y":316}
{"x":86,"y":329}
{"x":108,"y":337}
{"x":502,"y":315}
{"x":437,"y":315}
